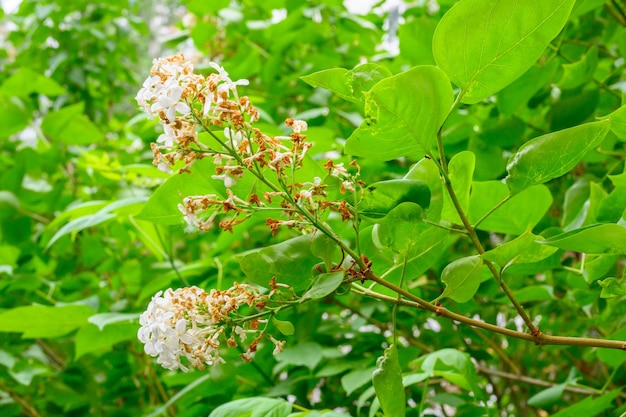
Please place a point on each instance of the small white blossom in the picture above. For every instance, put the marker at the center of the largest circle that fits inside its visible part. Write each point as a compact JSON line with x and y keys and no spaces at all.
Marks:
{"x":299,"y":126}
{"x":432,"y":6}
{"x":235,"y":137}
{"x":228,"y":180}
{"x":168,"y":137}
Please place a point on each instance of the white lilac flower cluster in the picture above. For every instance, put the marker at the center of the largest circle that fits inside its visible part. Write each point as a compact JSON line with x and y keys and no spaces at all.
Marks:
{"x":183,"y":100}
{"x":186,"y":103}
{"x":189,"y":323}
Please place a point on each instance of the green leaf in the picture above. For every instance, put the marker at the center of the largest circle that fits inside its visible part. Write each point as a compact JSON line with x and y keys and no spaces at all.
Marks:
{"x":162,"y":207}
{"x":104,"y":319}
{"x":307,"y":354}
{"x":323,"y":285}
{"x":598,"y":266}
{"x":354,"y":380}
{"x":25,"y":82}
{"x":453,"y":365}
{"x":291,"y":262}
{"x":611,"y":288}
{"x":44,"y":321}
{"x":203,"y":8}
{"x":462,"y":278}
{"x":614,"y":357}
{"x":530,"y":293}
{"x":594,"y":239}
{"x":403,"y":230}
{"x":611,"y":207}
{"x":547,"y":397}
{"x":585,"y":6}
{"x":349,"y":84}
{"x":387,"y":380}
{"x":382,"y":197}
{"x":550,"y":156}
{"x":14,"y":116}
{"x":421,"y":245}
{"x":318,"y":413}
{"x":519,"y":93}
{"x":590,"y":407}
{"x":285,"y":327}
{"x":495,"y":42}
{"x":101,"y":216}
{"x":324,"y":248}
{"x":91,"y":339}
{"x":618,"y":124}
{"x":426,"y":170}
{"x":253,"y":407}
{"x":9,"y":204}
{"x":460,"y":171}
{"x":75,"y":226}
{"x":70,"y":126}
{"x":519,"y":214}
{"x":416,"y":39}
{"x":159,"y":411}
{"x":580,"y":72}
{"x":574,"y":109}
{"x":404,"y":113}
{"x":523,"y":249}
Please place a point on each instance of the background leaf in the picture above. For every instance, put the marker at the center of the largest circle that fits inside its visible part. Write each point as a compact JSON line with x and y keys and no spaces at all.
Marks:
{"x":43,"y":321}
{"x":590,"y":406}
{"x":404,"y":113}
{"x":462,"y":278}
{"x":253,"y":407}
{"x":382,"y":197}
{"x":349,"y":84}
{"x":291,"y":262}
{"x":495,"y":41}
{"x":521,"y":213}
{"x":552,"y":155}
{"x":91,"y":339}
{"x":70,"y":126}
{"x":162,"y":207}
{"x":387,"y":380}
{"x":597,"y":238}
{"x":323,"y":285}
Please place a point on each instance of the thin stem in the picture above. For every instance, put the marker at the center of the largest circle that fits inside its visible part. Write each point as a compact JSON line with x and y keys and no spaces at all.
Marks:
{"x":355,"y":223}
{"x":499,"y":351}
{"x":256,"y":366}
{"x":169,"y":252}
{"x":535,"y":381}
{"x":424,"y":395}
{"x":395,"y":306}
{"x":490,"y":211}
{"x":609,"y":380}
{"x":53,"y":356}
{"x":441,"y":226}
{"x":479,"y":247}
{"x":170,"y":409}
{"x":220,"y":272}
{"x":300,"y":408}
{"x":476,"y":242}
{"x":28,"y":409}
{"x":442,"y":155}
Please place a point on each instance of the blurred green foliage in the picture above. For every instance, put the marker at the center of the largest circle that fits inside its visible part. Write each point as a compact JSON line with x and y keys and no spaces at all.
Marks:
{"x":77,"y":266}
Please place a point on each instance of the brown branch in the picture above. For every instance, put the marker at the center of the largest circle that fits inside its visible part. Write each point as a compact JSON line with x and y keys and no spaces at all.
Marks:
{"x":28,"y":409}
{"x":538,"y":338}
